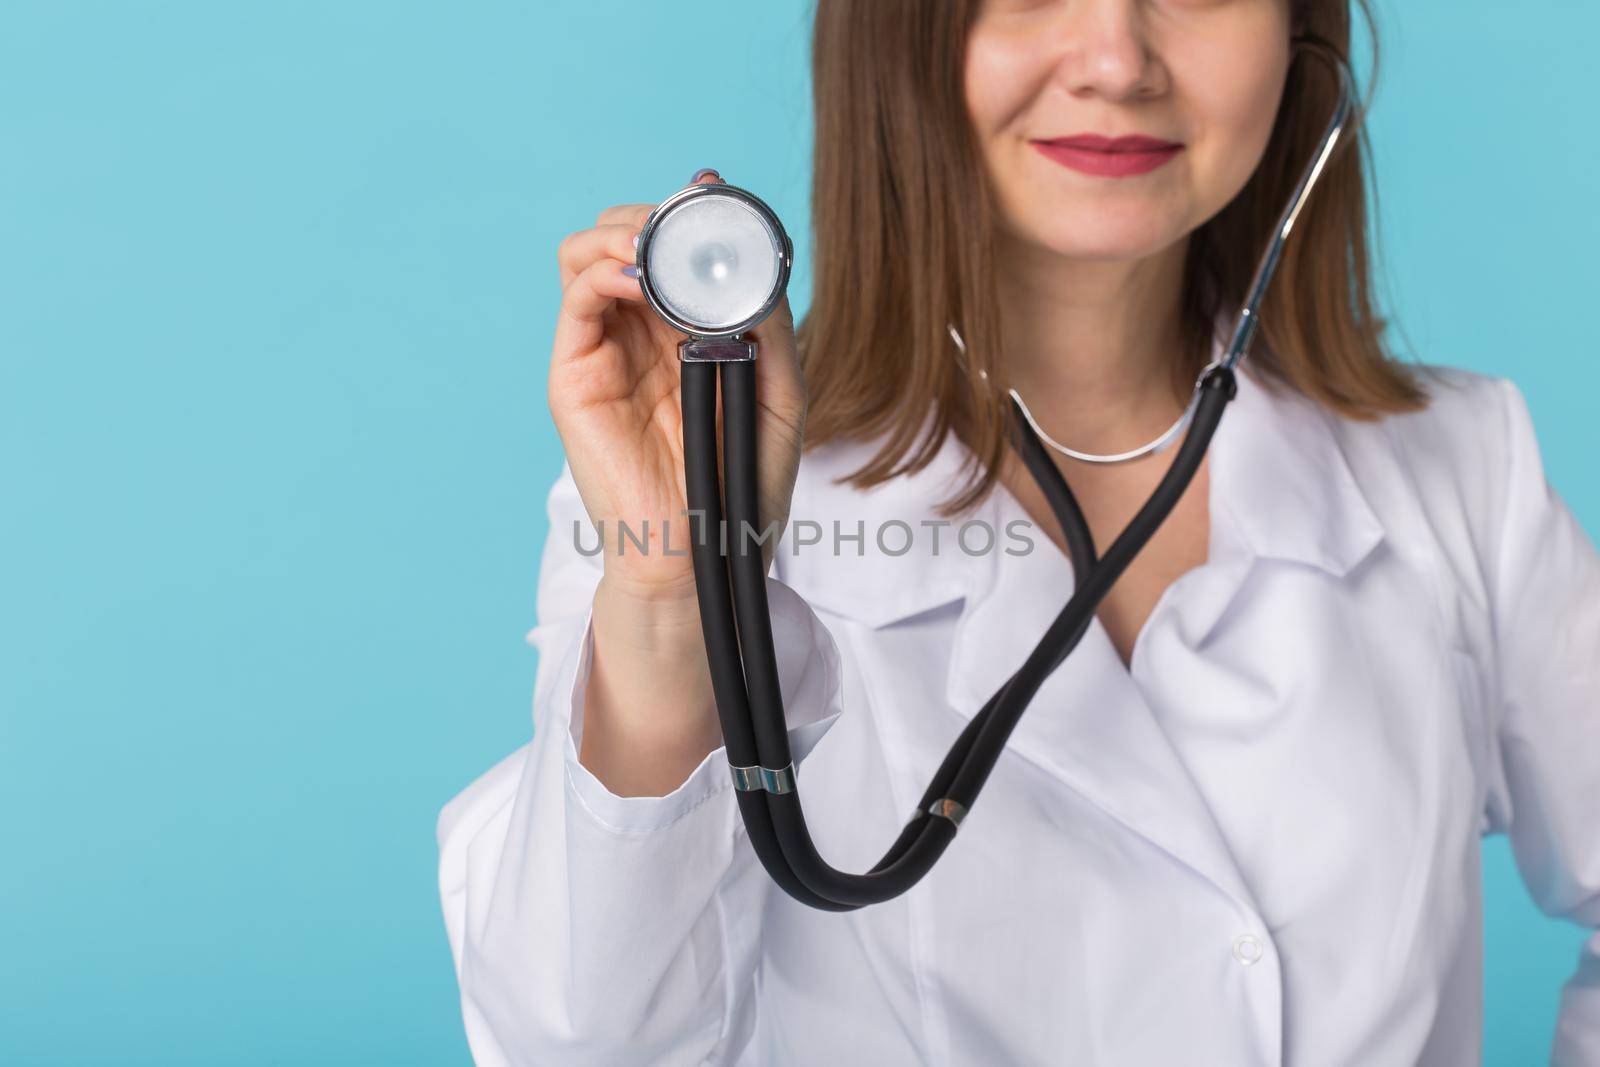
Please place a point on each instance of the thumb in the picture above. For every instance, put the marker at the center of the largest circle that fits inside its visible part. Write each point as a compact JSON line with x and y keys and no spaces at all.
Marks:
{"x":779,"y":381}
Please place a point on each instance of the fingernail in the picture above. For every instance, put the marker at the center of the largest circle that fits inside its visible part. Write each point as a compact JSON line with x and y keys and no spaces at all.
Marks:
{"x":636,"y":242}
{"x":631,"y":271}
{"x":701,"y":173}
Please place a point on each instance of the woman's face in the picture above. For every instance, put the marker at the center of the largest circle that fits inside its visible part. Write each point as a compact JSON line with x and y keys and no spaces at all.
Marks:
{"x":1198,"y":81}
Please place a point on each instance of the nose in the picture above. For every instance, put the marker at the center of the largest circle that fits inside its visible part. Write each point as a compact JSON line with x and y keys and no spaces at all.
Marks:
{"x":1105,"y":52}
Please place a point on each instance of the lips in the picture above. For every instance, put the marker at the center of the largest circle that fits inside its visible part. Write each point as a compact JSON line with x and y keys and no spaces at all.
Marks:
{"x":1110,"y":157}
{"x":1132,"y":142}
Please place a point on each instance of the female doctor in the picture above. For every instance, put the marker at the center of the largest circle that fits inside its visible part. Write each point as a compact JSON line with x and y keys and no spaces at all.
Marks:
{"x":1240,"y":824}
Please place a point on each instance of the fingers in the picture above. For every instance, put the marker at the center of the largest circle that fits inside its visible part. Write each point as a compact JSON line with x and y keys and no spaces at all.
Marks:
{"x":776,"y":331}
{"x":612,"y":233}
{"x":778,"y":370}
{"x":592,"y":292}
{"x":625,"y":214}
{"x":593,"y":264}
{"x":578,"y":250}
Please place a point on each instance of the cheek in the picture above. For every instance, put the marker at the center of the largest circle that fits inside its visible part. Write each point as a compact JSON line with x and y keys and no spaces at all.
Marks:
{"x":1234,"y":106}
{"x":999,"y":79}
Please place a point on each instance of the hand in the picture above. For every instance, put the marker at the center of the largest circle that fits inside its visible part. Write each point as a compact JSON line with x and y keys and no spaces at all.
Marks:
{"x":614,"y":393}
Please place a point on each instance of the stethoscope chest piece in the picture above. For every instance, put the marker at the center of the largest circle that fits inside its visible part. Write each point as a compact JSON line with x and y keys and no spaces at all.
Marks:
{"x":714,"y":261}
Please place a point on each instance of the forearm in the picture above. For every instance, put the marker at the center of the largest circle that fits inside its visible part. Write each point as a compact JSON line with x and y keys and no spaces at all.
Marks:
{"x":649,"y":716}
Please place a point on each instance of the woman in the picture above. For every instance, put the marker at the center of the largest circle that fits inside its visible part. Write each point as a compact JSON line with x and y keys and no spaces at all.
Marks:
{"x":1240,"y":824}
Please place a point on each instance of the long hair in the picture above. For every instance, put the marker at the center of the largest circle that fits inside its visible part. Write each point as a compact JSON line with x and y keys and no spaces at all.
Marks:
{"x":903,"y":228}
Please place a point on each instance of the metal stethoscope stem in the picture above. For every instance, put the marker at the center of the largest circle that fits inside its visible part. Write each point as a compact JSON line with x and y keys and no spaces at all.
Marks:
{"x":731,"y":586}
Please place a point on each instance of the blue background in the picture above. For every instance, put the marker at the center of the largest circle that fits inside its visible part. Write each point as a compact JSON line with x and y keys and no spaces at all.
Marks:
{"x":277,"y":285}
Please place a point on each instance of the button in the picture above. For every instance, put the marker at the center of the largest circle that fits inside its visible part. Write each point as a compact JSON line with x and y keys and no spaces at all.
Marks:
{"x":1247,"y":949}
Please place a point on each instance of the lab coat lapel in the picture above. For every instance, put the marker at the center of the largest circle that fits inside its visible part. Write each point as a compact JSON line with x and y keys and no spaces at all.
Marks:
{"x":1281,"y":493}
{"x":1089,"y":725}
{"x":1285,"y":488}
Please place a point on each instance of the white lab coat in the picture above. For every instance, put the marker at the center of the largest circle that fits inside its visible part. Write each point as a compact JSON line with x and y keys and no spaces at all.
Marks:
{"x":1260,"y":845}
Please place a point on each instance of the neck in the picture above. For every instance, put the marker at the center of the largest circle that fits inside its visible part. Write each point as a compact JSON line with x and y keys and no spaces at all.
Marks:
{"x":1090,"y":345}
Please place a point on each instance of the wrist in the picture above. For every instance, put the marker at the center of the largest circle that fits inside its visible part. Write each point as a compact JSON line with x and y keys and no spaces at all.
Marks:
{"x":658,"y":618}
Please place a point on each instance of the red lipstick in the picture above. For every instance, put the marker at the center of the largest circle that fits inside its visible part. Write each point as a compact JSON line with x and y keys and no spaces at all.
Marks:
{"x":1109,"y":157}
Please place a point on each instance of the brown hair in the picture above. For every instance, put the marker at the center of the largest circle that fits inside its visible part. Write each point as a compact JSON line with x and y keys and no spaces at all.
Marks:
{"x":903,"y":227}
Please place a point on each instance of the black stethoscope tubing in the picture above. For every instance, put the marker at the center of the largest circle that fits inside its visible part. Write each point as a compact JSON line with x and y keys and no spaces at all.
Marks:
{"x":730,"y":581}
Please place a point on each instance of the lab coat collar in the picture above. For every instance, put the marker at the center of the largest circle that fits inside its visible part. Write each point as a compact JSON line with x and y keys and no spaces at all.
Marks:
{"x":1281,"y":490}
{"x":1281,"y":478}
{"x":848,"y":549}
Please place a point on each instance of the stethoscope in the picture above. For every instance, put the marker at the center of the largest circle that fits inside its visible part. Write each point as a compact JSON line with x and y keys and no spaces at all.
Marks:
{"x":714,"y":261}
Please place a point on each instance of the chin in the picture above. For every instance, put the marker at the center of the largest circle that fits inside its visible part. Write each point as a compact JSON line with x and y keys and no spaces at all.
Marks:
{"x":1110,"y":235}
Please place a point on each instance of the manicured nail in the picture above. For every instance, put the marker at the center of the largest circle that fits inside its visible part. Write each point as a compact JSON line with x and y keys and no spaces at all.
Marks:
{"x":636,"y":242}
{"x":631,"y":271}
{"x":701,"y":174}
